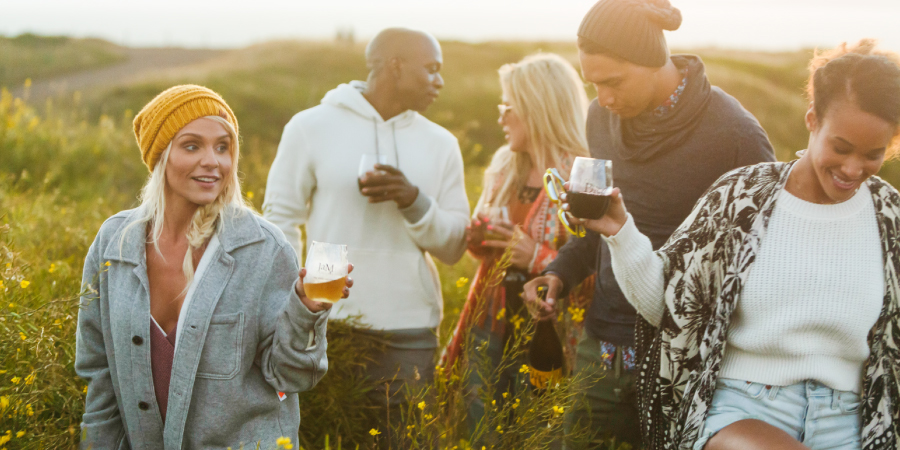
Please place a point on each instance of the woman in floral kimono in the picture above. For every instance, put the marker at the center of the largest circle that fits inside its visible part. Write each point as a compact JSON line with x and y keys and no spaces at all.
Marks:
{"x":796,"y":266}
{"x":543,"y":116}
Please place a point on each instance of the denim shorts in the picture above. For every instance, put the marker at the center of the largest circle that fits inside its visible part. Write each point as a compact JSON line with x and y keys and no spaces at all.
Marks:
{"x":814,"y":414}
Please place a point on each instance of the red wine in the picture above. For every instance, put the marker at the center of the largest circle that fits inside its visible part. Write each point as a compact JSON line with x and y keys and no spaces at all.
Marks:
{"x":587,"y":206}
{"x":545,"y":355}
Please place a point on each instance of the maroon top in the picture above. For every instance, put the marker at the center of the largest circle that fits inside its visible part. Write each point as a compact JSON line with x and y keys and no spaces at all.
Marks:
{"x":162,"y":352}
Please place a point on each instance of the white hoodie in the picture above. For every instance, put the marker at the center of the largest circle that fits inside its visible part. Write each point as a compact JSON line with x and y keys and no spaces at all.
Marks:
{"x":313,"y":181}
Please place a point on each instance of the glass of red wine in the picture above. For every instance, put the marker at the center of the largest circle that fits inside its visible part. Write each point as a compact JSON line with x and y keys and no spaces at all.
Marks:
{"x":590,"y":185}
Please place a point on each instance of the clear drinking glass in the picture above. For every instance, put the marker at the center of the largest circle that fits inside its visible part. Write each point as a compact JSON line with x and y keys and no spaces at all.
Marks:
{"x":590,"y":185}
{"x":496,"y":214}
{"x":367,"y":164}
{"x":326,"y":272}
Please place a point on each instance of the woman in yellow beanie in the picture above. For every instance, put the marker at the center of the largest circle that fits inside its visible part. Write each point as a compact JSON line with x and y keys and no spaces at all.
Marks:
{"x":195,"y":332}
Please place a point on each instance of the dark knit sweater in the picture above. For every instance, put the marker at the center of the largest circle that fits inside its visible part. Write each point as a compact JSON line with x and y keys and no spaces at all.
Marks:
{"x":662,"y":166}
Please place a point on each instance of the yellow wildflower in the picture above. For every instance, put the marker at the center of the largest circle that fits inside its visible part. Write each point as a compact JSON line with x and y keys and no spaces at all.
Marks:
{"x":12,"y":305}
{"x":493,"y":402}
{"x":499,"y":429}
{"x":24,"y":284}
{"x":517,"y":321}
{"x":52,"y":268}
{"x":4,"y":402}
{"x":558,"y":410}
{"x":501,"y":314}
{"x":428,"y":416}
{"x":249,"y":195}
{"x":84,"y":390}
{"x":462,"y":281}
{"x":524,"y":369}
{"x":22,"y":336}
{"x":107,"y":264}
{"x":284,"y":442}
{"x":20,"y":434}
{"x":421,"y":405}
{"x":16,"y":380}
{"x":374,"y":432}
{"x":1,"y":284}
{"x":505,"y":394}
{"x":4,"y":439}
{"x":30,"y":378}
{"x":577,"y":314}
{"x":28,"y":409}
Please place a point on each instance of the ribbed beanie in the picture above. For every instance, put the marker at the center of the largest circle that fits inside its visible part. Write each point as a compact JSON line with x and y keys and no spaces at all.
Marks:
{"x":631,"y":29}
{"x":169,"y":112}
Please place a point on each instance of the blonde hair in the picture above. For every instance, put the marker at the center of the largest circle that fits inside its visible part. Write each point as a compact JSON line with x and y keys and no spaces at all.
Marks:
{"x":205,"y":220}
{"x":548,"y":97}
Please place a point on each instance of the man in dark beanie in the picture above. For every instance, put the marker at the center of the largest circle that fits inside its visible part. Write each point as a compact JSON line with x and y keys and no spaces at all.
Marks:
{"x":670,"y":135}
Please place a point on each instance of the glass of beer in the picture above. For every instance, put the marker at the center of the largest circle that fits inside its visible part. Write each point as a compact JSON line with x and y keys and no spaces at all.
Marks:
{"x":367,"y":164}
{"x":326,"y":272}
{"x":590,"y":185}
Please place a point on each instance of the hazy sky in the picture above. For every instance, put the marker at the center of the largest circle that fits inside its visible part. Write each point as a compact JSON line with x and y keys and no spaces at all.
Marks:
{"x":750,"y":24}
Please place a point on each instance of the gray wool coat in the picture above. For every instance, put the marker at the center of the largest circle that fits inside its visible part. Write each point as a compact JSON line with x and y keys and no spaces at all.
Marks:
{"x":246,"y":337}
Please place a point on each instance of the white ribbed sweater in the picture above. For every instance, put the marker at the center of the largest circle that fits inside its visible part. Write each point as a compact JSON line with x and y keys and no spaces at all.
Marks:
{"x":812,"y":295}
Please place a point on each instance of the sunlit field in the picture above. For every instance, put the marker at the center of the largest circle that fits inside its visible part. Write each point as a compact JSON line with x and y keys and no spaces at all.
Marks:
{"x":69,"y":161}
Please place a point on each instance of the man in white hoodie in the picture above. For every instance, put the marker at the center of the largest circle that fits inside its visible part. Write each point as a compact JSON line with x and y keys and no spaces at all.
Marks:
{"x":392,"y":219}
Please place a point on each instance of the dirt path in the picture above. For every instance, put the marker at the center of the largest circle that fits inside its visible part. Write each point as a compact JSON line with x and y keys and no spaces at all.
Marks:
{"x":139,"y":63}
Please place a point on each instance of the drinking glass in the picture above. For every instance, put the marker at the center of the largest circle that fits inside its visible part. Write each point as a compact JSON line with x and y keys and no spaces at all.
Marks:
{"x":496,"y":214}
{"x":326,"y":272}
{"x":590,"y":185}
{"x":367,"y":164}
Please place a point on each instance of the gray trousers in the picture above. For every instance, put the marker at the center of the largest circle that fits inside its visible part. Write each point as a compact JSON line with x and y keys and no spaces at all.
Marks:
{"x":606,"y":406}
{"x":395,"y":374}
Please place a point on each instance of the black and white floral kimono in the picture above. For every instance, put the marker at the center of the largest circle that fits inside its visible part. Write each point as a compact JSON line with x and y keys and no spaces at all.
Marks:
{"x":706,"y":262}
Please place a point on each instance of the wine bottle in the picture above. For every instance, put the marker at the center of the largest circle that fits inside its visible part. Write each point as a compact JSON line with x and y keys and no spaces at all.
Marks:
{"x":545,"y":355}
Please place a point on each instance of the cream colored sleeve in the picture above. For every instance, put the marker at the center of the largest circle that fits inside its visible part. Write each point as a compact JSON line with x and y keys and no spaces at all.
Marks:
{"x":290,"y":185}
{"x":441,"y":231}
{"x":639,"y":271}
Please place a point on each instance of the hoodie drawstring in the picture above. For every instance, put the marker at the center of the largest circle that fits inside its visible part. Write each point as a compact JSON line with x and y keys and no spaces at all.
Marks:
{"x":394,"y":134}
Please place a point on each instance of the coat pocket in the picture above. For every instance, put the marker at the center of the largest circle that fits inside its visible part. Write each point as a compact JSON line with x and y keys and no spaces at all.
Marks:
{"x":221,"y":355}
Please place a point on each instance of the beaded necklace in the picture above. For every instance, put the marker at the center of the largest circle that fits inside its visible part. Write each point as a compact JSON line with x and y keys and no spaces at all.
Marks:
{"x":670,"y":102}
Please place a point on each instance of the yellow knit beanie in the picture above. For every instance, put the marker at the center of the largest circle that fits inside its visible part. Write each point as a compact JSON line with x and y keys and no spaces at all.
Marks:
{"x":169,"y":112}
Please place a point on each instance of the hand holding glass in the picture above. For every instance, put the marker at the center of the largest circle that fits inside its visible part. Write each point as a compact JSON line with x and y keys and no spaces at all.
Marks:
{"x":326,"y":272}
{"x":496,"y":215}
{"x":367,"y":164}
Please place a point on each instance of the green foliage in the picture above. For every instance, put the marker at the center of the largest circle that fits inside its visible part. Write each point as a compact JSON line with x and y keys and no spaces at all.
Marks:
{"x":29,"y":56}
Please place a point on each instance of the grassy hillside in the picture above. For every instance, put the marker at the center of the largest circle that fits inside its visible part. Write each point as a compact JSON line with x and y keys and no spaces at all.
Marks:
{"x":38,"y":57}
{"x":67,"y":164}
